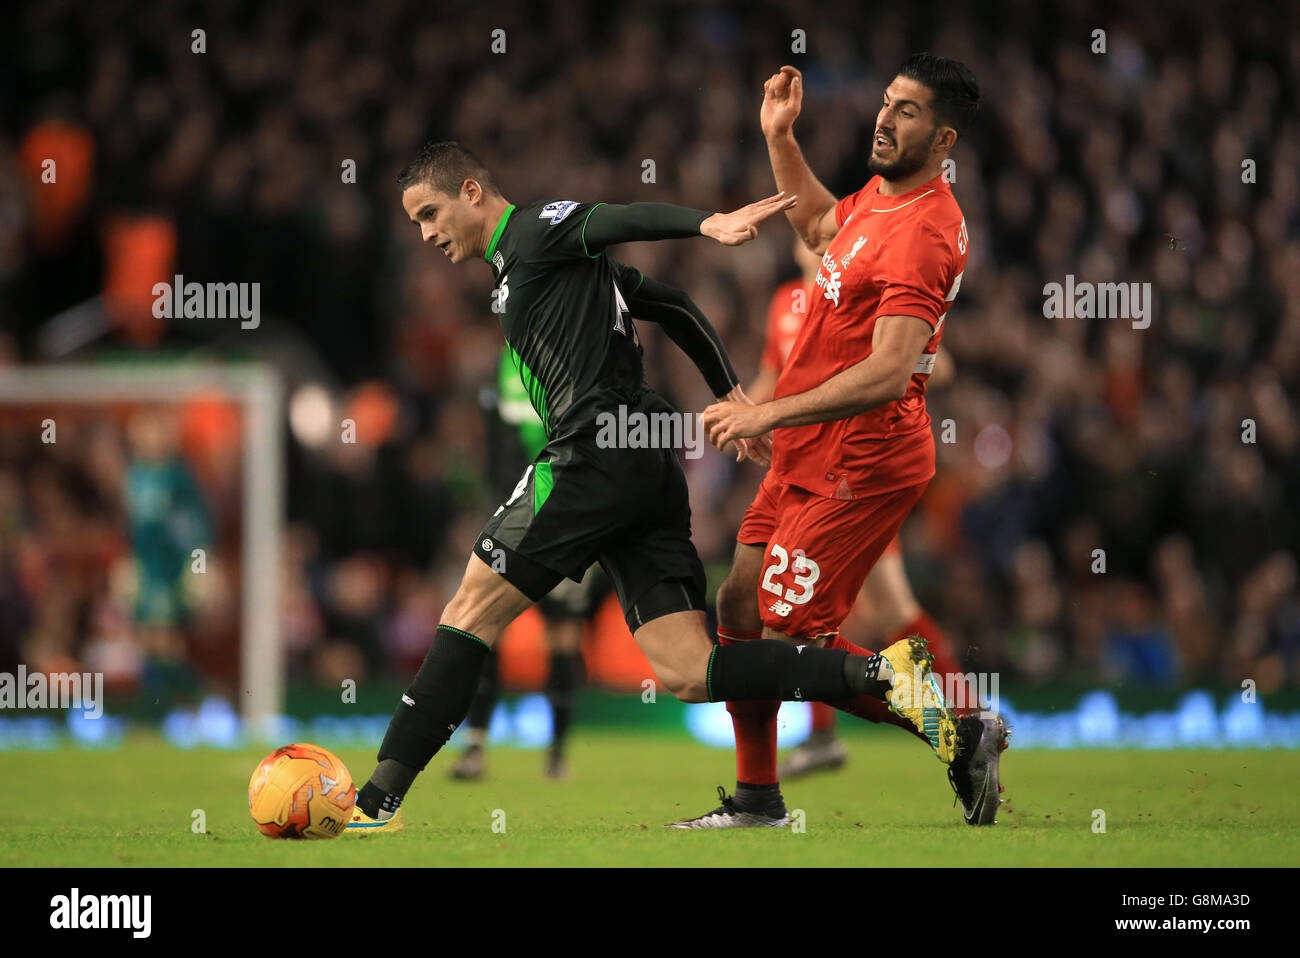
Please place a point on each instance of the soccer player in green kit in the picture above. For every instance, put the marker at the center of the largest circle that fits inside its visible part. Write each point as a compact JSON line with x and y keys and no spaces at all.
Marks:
{"x":565,"y":309}
{"x":515,"y":432}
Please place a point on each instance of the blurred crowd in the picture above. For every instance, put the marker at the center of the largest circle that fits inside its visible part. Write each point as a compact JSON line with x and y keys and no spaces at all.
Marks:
{"x":1117,"y":504}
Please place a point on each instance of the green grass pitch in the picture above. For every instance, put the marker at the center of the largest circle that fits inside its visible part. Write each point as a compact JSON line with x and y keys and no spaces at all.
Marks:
{"x":891,"y":805}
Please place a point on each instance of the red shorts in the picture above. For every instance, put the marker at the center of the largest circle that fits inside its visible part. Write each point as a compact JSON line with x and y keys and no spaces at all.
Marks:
{"x":819,"y":551}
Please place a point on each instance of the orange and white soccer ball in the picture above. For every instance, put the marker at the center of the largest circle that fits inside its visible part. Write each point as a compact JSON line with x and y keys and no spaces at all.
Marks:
{"x":301,"y":791}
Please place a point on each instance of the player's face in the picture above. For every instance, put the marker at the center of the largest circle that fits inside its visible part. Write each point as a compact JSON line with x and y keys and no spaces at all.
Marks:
{"x":450,"y":223}
{"x":905,"y":130}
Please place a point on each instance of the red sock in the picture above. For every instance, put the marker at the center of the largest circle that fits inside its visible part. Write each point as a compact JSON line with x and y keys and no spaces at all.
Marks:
{"x":864,"y":706}
{"x":823,"y":717}
{"x":946,"y":666}
{"x":755,"y":725}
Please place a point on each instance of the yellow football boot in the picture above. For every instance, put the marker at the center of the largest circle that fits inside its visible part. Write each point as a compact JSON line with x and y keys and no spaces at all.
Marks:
{"x":917,"y":696}
{"x":363,"y":824}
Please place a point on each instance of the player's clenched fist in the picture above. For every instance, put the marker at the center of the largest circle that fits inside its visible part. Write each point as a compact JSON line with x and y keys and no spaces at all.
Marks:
{"x":782,"y":98}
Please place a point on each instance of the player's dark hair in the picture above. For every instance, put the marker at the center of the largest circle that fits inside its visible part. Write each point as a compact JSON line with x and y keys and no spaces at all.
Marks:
{"x":956,"y":94}
{"x":445,"y":165}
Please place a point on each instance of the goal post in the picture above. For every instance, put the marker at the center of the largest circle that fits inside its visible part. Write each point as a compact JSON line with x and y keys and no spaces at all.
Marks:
{"x":258,"y":388}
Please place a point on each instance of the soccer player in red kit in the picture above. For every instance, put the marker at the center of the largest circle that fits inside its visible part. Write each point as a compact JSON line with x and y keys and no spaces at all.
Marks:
{"x":886,"y":595}
{"x":852,"y":450}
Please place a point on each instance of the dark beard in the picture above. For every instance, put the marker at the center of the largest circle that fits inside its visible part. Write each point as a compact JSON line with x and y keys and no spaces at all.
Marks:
{"x":903,"y":165}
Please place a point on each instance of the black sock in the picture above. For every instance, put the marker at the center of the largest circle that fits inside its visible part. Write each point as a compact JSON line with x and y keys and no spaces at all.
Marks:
{"x":771,"y":669}
{"x":566,"y":669}
{"x":393,"y":777}
{"x":751,"y":797}
{"x":387,"y":787}
{"x":485,"y":695}
{"x":862,"y":672}
{"x":437,"y":699}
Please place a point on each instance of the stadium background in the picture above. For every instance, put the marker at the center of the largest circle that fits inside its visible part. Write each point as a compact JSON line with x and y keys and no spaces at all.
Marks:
{"x":1072,"y":434}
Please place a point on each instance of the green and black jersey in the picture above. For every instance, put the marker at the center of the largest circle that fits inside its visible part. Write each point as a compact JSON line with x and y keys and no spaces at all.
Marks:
{"x":565,"y":308}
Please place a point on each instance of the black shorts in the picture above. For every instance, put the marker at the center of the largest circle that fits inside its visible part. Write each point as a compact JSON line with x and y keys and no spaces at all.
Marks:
{"x":627,"y":509}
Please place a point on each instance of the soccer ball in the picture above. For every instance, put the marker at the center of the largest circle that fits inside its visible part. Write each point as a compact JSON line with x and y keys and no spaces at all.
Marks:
{"x":301,"y":791}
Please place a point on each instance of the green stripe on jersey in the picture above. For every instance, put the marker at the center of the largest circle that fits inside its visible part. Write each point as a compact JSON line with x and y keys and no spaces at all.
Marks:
{"x":536,"y":392}
{"x":496,"y":236}
{"x":584,"y":232}
{"x":543,"y":483}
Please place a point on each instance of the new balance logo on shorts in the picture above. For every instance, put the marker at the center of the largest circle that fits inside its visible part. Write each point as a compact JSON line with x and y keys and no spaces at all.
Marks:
{"x":780,"y":608}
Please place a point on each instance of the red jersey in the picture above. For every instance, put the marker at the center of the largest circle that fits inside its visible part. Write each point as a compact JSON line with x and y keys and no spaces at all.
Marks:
{"x":893,"y":256}
{"x":785,"y":315}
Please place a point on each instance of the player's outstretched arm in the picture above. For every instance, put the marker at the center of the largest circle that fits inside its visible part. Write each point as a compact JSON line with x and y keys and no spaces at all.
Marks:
{"x":688,"y":327}
{"x":814,"y":218}
{"x":685,"y":324}
{"x":609,"y":224}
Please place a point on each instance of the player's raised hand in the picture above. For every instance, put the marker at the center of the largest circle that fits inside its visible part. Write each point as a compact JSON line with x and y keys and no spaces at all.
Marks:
{"x":782,"y":100}
{"x":741,"y":226}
